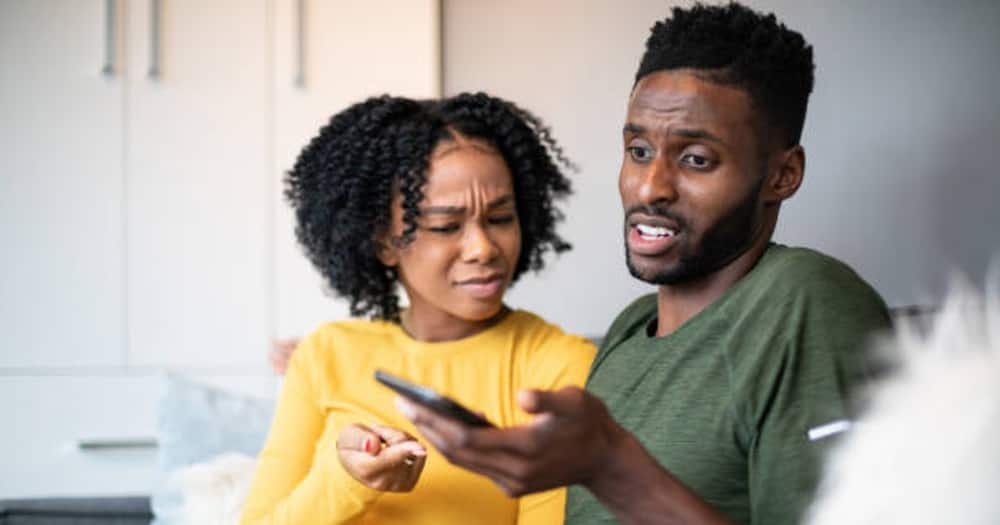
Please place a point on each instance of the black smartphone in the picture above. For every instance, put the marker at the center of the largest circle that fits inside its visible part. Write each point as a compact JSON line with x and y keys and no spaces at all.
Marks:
{"x":431,"y":399}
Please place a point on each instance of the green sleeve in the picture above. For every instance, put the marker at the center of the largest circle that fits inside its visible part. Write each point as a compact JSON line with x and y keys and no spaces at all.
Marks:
{"x":809,"y":379}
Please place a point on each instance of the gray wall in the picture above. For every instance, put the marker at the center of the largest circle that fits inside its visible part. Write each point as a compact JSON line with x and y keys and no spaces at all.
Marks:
{"x":902,"y":136}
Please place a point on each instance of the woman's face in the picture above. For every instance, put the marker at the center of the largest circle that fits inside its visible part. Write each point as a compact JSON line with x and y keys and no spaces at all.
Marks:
{"x":466,"y":246}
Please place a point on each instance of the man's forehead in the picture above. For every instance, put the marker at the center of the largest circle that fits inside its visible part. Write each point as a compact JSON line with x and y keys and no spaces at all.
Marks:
{"x":682,"y":94}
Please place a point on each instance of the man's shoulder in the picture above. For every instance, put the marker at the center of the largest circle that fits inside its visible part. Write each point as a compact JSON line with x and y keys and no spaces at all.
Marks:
{"x":807,"y":273}
{"x":808,"y":300}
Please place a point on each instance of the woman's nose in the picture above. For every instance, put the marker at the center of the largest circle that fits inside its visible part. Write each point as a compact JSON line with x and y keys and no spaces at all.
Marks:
{"x":477,"y":245}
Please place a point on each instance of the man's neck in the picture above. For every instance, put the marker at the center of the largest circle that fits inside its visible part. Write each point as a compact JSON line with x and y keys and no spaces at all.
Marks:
{"x":676,"y":304}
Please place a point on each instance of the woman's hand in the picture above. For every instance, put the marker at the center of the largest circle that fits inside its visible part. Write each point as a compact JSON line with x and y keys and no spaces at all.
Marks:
{"x":380,"y":457}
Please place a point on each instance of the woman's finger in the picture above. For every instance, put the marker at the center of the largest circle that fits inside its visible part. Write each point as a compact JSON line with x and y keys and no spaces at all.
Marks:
{"x":391,"y":436}
{"x":359,"y":438}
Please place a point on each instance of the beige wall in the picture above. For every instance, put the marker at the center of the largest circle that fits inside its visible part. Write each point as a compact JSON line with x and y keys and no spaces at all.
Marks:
{"x":902,"y":134}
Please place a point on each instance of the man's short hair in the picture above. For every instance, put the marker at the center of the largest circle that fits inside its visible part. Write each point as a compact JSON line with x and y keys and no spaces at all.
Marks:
{"x":737,"y":46}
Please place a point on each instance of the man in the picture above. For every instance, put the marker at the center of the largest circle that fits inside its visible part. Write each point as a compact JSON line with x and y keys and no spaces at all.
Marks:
{"x":720,"y":391}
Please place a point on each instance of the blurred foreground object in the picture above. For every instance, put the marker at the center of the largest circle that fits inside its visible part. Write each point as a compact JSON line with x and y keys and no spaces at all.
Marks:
{"x":928,"y":449}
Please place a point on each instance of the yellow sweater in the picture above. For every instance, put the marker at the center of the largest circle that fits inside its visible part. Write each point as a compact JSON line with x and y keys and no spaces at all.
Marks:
{"x":330,"y":384}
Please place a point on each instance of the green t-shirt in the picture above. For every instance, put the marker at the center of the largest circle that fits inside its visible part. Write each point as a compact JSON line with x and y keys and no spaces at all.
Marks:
{"x":725,"y":402}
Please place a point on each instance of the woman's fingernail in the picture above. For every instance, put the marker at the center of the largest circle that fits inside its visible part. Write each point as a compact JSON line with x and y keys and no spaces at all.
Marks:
{"x":368,"y":445}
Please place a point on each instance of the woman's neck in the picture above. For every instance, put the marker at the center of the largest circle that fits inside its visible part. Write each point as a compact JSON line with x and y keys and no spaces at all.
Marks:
{"x":436,"y":329}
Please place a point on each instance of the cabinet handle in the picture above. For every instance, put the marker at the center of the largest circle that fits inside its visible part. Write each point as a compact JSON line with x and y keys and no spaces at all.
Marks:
{"x":154,"y":39}
{"x":300,"y":77}
{"x":108,"y":69}
{"x":121,"y":443}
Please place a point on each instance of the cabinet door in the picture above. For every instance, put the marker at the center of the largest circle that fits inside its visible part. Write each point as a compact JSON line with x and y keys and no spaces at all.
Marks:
{"x":350,"y":50}
{"x":45,"y":417}
{"x":61,"y":187}
{"x":198,"y":190}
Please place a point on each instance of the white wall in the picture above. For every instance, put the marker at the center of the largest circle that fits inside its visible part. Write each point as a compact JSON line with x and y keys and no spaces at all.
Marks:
{"x":902,"y":134}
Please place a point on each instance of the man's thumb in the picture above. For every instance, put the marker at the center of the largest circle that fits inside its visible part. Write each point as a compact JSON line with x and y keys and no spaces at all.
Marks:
{"x":566,"y":400}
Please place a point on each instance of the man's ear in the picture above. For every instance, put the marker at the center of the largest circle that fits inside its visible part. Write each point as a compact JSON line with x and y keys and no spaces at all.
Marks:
{"x":786,"y":175}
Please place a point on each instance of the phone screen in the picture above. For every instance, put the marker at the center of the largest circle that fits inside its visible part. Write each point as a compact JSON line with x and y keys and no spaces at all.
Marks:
{"x":431,"y":399}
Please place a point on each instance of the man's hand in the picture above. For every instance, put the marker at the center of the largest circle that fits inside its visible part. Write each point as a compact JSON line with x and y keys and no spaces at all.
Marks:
{"x":381,"y":458}
{"x":569,"y":441}
{"x":281,"y":352}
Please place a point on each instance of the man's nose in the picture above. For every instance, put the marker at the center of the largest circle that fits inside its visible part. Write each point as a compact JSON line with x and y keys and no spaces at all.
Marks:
{"x":657,"y":183}
{"x":477,"y":245}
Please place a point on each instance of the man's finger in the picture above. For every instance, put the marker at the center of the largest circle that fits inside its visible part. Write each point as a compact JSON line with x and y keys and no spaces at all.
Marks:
{"x":566,"y":401}
{"x":448,"y":429}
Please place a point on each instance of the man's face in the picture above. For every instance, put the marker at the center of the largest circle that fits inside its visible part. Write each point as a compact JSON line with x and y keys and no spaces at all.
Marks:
{"x":690,"y":179}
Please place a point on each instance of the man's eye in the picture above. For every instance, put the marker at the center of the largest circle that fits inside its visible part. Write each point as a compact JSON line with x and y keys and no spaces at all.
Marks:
{"x":696,"y":161}
{"x":444,"y":228}
{"x":640,"y":153}
{"x":502,"y":219}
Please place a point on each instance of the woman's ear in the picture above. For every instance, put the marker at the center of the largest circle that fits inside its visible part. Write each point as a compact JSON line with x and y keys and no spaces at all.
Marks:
{"x":386,"y":251}
{"x":786,"y":177}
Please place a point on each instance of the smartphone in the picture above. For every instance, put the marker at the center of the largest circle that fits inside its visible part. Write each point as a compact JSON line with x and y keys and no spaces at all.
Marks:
{"x":431,"y":399}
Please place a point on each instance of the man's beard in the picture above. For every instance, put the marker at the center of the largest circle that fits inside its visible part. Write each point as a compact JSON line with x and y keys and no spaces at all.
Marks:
{"x":722,"y":243}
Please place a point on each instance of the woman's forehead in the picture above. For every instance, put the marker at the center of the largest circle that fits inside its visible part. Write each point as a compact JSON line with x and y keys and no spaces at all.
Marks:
{"x":467,"y":172}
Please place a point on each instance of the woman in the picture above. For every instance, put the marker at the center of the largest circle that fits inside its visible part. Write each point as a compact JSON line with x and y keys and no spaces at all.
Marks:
{"x":452,"y":200}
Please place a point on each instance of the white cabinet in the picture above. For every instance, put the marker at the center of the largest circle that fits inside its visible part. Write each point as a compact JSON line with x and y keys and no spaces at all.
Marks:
{"x":143,"y":221}
{"x":46,"y":419}
{"x":350,"y":50}
{"x":141,"y":218}
{"x":198,"y":191}
{"x":61,"y":188}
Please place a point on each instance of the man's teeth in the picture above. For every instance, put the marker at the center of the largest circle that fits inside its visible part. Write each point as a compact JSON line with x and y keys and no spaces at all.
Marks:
{"x":652,"y":232}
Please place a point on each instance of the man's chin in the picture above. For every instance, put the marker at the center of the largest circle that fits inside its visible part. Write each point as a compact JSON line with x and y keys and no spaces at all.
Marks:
{"x":658,"y":275}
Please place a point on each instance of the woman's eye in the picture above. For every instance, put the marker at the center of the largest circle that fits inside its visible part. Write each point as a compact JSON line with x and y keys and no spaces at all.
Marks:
{"x":444,"y":228}
{"x":502,"y":219}
{"x":640,"y":153}
{"x":696,"y":161}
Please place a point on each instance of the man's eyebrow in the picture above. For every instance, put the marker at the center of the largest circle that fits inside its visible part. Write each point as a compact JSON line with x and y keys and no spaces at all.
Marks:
{"x":457,"y":210}
{"x":696,"y":134}
{"x":688,"y":133}
{"x":630,"y":127}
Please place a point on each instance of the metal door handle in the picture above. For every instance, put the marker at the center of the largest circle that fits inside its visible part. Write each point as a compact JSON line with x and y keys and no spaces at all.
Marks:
{"x":300,"y":76}
{"x":154,"y":39}
{"x":108,"y":69}
{"x":119,"y":443}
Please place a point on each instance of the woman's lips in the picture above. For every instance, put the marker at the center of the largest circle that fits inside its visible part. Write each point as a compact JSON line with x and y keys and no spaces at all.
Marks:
{"x":482,"y":287}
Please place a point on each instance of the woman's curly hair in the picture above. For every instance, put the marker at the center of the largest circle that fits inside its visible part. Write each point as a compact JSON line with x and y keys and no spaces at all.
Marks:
{"x":343,"y":183}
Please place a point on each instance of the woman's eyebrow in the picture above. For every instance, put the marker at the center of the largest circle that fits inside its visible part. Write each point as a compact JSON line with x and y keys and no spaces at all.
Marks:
{"x":456,"y":210}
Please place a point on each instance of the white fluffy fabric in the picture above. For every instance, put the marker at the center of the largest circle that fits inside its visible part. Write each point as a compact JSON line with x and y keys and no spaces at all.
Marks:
{"x":928,"y":450}
{"x":213,"y":492}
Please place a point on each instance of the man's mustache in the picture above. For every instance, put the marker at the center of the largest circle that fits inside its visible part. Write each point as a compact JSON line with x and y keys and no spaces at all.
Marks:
{"x":653,"y":210}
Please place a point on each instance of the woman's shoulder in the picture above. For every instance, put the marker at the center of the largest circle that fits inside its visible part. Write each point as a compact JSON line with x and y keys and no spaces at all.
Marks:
{"x":548,"y":357}
{"x":533,"y":331}
{"x":321,"y":342}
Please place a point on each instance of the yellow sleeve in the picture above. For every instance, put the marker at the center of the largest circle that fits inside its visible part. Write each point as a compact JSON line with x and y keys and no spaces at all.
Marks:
{"x":288,"y":486}
{"x":561,"y":361}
